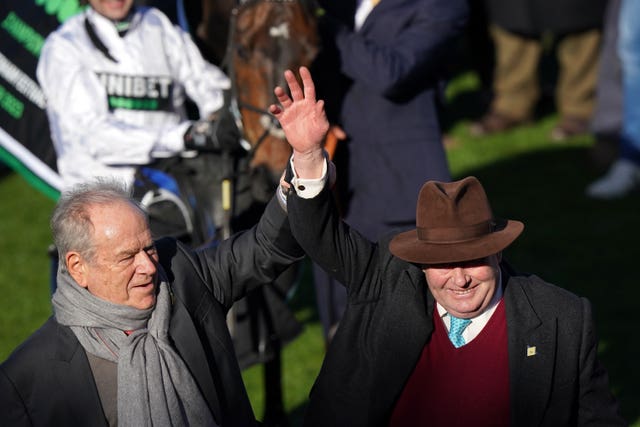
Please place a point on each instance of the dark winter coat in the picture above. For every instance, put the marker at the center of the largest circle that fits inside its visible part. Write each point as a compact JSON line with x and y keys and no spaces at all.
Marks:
{"x":532,"y":17}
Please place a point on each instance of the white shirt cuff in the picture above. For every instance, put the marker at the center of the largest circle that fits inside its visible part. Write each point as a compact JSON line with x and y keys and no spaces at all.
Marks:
{"x":305,"y":188}
{"x":309,"y":188}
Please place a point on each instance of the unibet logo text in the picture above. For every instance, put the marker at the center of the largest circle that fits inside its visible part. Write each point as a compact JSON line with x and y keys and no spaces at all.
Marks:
{"x":152,"y":93}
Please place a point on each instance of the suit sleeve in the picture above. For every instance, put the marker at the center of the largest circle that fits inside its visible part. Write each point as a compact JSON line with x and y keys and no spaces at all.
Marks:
{"x":343,"y":252}
{"x":251,"y":258}
{"x":597,"y":406}
{"x":405,"y":49}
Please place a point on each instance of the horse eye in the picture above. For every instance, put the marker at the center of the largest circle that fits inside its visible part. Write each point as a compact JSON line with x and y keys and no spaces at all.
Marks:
{"x":242,"y":52}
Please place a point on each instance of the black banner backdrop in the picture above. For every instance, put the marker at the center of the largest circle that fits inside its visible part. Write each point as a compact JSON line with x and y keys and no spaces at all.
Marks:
{"x":25,"y":142}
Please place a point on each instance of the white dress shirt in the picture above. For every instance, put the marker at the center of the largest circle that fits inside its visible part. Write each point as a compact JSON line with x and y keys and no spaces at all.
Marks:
{"x":364,"y":8}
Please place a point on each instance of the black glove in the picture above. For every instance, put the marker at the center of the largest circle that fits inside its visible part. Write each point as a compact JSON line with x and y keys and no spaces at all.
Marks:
{"x":218,"y":134}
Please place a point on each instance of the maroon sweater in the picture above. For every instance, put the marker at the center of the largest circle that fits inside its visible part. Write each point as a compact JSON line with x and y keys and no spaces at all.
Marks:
{"x":468,"y":386}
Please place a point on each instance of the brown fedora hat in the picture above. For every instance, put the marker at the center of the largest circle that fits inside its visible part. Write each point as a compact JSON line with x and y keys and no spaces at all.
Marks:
{"x":454,"y":223}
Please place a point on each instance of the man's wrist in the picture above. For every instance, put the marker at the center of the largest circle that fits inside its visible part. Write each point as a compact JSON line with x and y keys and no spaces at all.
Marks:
{"x":310,"y":164}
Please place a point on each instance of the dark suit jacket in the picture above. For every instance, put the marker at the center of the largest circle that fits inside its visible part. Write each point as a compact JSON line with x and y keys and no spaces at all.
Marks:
{"x":388,"y":320}
{"x":390,"y":73}
{"x":533,"y":17}
{"x":47,"y":381}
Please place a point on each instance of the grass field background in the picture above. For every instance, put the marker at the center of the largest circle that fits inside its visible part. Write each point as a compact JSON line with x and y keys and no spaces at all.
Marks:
{"x":589,"y":247}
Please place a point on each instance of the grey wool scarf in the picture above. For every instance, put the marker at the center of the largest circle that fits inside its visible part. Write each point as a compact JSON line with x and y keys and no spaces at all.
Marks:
{"x":155,"y":387}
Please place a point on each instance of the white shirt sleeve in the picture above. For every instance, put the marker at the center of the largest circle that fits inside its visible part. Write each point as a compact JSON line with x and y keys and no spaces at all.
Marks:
{"x":203,"y":81}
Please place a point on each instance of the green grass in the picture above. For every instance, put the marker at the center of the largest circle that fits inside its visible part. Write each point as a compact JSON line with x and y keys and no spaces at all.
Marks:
{"x":586,"y":246}
{"x":24,"y":268}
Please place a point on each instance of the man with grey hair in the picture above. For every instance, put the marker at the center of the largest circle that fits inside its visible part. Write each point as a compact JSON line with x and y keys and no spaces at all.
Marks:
{"x":138,"y":336}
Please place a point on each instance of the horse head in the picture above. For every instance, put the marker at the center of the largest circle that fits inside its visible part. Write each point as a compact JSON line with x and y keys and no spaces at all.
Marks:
{"x":268,"y":37}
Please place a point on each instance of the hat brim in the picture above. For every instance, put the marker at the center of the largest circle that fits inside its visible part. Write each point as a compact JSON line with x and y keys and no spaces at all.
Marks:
{"x":408,"y":247}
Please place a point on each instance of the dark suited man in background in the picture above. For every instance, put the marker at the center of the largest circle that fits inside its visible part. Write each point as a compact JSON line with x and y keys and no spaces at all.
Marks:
{"x":380,"y":72}
{"x":438,"y":329}
{"x":139,"y":334}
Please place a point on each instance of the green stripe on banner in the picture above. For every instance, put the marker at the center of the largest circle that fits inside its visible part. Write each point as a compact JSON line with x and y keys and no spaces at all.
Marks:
{"x":29,"y":176}
{"x":63,"y":9}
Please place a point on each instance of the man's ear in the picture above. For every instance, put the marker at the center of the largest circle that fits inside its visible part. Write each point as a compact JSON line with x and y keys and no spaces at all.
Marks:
{"x":76,"y":268}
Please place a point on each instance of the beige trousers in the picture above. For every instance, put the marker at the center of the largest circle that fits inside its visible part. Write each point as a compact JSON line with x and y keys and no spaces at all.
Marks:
{"x":516,"y":85}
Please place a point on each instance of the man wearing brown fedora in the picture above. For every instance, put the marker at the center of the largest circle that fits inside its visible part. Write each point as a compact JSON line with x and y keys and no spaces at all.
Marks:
{"x":438,"y":330}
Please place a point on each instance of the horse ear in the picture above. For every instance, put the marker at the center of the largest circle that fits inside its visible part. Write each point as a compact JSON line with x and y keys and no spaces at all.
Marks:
{"x":242,"y":20}
{"x":247,"y":27}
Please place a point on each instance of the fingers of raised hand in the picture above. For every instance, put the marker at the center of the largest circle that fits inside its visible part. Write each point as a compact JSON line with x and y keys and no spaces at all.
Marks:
{"x":294,"y":87}
{"x":282,"y":96}
{"x":321,"y":116}
{"x":305,"y":93}
{"x":307,"y":82}
{"x":275,"y":109}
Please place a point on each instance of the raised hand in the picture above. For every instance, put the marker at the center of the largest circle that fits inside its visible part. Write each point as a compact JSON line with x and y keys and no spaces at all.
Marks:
{"x":304,"y":122}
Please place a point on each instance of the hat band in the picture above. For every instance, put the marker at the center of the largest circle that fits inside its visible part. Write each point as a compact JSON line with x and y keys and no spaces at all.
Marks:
{"x":452,"y":234}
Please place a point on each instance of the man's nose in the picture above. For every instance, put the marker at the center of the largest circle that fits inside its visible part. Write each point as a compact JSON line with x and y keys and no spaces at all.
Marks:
{"x":146,"y":263}
{"x":460,"y":277}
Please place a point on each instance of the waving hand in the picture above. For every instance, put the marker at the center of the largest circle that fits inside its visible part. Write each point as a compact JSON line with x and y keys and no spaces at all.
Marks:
{"x":304,"y":122}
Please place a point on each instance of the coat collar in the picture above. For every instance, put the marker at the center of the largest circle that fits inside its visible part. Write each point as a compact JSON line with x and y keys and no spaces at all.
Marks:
{"x":184,"y":335}
{"x":381,"y":8}
{"x":80,"y":388}
{"x":408,"y":329}
{"x":532,"y":349}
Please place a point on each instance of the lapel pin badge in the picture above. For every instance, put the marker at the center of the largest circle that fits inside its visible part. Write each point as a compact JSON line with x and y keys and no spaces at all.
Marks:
{"x":531,"y":350}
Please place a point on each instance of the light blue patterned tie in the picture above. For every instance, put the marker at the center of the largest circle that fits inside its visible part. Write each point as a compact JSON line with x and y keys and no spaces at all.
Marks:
{"x":455,"y":330}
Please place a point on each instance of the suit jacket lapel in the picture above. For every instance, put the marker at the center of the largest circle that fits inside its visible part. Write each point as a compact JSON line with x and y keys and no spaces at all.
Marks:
{"x":408,"y":330}
{"x":75,"y":382}
{"x":186,"y":339}
{"x":532,"y":348}
{"x":381,"y":8}
{"x":370,"y":17}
